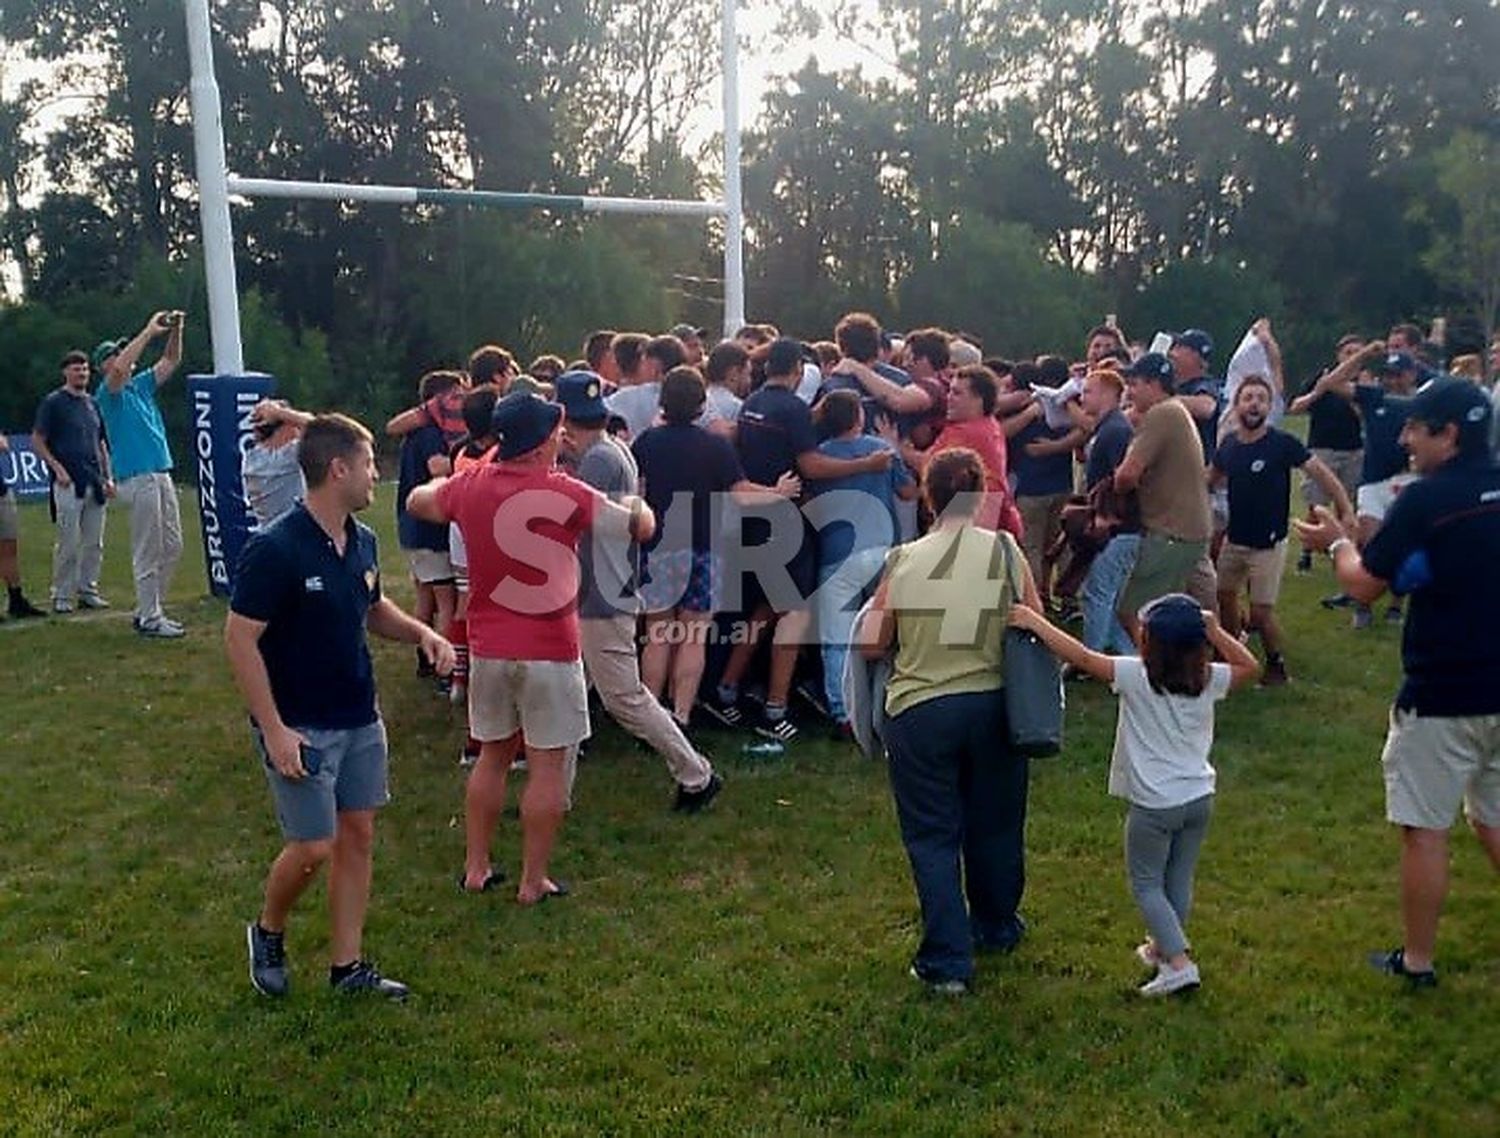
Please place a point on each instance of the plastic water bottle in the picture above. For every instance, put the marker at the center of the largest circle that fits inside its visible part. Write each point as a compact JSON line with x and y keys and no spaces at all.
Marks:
{"x":762,"y":750}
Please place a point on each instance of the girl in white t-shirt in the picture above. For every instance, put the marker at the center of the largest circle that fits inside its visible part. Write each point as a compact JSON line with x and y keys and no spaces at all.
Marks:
{"x":1160,"y":763}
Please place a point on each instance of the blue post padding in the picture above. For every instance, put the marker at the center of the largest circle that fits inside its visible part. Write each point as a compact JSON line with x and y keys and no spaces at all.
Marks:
{"x":219,"y":409}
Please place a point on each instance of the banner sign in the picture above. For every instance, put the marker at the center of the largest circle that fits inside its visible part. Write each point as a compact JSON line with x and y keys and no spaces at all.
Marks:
{"x":23,"y":470}
{"x":219,"y":417}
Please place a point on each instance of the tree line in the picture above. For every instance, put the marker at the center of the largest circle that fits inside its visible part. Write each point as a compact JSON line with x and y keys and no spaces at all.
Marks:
{"x":1014,"y":168}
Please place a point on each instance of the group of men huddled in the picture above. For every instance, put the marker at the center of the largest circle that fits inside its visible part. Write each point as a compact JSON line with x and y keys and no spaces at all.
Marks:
{"x":612,"y":522}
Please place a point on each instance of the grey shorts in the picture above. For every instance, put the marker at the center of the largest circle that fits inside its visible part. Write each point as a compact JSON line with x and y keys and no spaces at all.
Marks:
{"x":10,"y":526}
{"x":351,"y":775}
{"x":1434,"y":764}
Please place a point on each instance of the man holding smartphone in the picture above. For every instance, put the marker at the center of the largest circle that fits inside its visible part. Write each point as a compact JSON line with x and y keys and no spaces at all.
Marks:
{"x":143,"y":463}
{"x":307,"y":588}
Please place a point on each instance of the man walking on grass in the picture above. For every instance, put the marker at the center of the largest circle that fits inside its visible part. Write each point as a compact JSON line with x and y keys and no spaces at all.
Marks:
{"x":1443,"y":746}
{"x":143,"y":464}
{"x":307,"y":588}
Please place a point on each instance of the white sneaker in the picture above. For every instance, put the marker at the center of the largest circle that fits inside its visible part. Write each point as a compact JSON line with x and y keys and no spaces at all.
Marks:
{"x":160,"y":629}
{"x":1168,"y":980}
{"x":92,"y":601}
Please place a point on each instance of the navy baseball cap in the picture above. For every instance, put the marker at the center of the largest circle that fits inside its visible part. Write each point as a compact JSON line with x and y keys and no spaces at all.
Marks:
{"x":1154,"y":366}
{"x":1197,"y":339}
{"x":1174,"y":619}
{"x":524,"y":422}
{"x":581,"y":394}
{"x":1458,"y":401}
{"x":1395,"y":362}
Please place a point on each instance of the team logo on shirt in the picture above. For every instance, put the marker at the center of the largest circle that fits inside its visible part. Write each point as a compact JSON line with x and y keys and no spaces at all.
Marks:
{"x":313,"y":585}
{"x":1257,"y":466}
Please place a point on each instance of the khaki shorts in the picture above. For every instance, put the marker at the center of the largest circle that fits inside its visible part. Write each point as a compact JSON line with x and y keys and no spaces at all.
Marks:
{"x":1162,"y":565}
{"x":1345,"y":465}
{"x":429,"y":566}
{"x":1434,"y":763}
{"x":1375,"y":499}
{"x":1262,"y":568}
{"x":10,"y":526}
{"x":547,"y":701}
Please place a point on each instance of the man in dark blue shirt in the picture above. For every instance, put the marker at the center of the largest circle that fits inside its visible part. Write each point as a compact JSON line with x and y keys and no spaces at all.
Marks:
{"x":1256,"y":464}
{"x":1438,"y":545}
{"x":1112,"y":565}
{"x":1333,"y":432}
{"x":776,"y":437}
{"x":307,"y":589}
{"x":424,"y":456}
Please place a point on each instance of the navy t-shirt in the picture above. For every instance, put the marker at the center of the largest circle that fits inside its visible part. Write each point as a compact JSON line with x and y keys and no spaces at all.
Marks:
{"x":416,"y":449}
{"x":313,"y":603}
{"x":1384,"y":416}
{"x":72,"y":428}
{"x":1439,"y":544}
{"x":774,"y":428}
{"x":1108,"y":446}
{"x":1333,"y":424}
{"x":1208,"y":429}
{"x":1037,"y":477}
{"x":1260,"y":485}
{"x":873,"y":409}
{"x":686,"y":460}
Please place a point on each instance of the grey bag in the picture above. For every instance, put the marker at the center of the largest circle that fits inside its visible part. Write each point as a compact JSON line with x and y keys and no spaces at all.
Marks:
{"x":1033,"y":684}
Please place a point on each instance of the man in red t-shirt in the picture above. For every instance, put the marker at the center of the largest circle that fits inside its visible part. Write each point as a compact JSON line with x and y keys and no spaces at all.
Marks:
{"x":521,"y":522}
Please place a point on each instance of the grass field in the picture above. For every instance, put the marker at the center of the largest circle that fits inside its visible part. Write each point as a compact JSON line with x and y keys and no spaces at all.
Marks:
{"x":741,"y":972}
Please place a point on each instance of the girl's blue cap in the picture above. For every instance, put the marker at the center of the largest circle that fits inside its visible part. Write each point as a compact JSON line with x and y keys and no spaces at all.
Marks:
{"x":1174,"y":619}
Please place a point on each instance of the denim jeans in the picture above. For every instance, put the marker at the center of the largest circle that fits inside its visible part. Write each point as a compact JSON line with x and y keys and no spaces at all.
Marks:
{"x":1102,"y":630}
{"x":842,"y":588}
{"x":961,"y":800}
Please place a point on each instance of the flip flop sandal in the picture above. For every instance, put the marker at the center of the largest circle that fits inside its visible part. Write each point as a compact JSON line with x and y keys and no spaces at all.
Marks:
{"x":494,"y":878}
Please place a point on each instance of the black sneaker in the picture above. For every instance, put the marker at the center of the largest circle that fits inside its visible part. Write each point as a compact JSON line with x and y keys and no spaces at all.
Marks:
{"x":781,"y":728}
{"x":267,"y":960}
{"x":726,"y":714}
{"x":1337,"y":601}
{"x":812,"y":695}
{"x":1393,"y":614}
{"x":366,"y":978}
{"x":21,"y":608}
{"x":1304,"y":561}
{"x":1393,"y":963}
{"x":939,"y":986}
{"x":1275,"y":675}
{"x":692,"y":801}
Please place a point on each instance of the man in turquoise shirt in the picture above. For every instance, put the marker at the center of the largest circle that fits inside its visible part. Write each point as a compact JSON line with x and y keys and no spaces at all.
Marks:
{"x":143,"y":463}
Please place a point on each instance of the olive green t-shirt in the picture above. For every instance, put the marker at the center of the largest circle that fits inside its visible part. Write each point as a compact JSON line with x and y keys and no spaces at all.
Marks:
{"x":1173,"y":490}
{"x":950,"y":592}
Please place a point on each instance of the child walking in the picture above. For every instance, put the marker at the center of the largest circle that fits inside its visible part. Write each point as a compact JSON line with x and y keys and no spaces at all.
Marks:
{"x":1160,"y":763}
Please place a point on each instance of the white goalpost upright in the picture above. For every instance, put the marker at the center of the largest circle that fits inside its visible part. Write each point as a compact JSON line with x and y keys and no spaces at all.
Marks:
{"x":216,"y":184}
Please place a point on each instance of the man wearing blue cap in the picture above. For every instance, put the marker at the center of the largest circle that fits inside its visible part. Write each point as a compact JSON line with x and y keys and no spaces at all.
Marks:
{"x":1443,"y":744}
{"x":609,"y":603}
{"x":521,"y":522}
{"x":143,"y":464}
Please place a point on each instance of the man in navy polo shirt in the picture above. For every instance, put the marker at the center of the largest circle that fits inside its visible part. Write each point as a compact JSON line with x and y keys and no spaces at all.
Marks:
{"x":1438,"y":545}
{"x":1256,"y":462}
{"x":307,"y":588}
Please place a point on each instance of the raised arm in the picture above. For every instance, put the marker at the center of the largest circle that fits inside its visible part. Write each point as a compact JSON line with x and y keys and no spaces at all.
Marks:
{"x":1065,"y":647}
{"x":118,"y":373}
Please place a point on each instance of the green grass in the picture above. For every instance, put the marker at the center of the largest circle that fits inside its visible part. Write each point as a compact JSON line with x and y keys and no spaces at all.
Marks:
{"x":739,"y":972}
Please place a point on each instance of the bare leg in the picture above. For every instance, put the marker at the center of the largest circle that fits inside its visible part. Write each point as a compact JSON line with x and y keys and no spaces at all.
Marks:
{"x":1424,"y":884}
{"x":291,"y":873}
{"x":791,"y":630}
{"x":426,"y":604}
{"x":484,"y":798}
{"x":1489,"y":837}
{"x":349,"y":883}
{"x":656,"y":656}
{"x":744,"y":652}
{"x":1229,"y":611}
{"x":687,"y":666}
{"x":542,"y":808}
{"x":444,"y":605}
{"x":1264,"y":618}
{"x":10,"y":567}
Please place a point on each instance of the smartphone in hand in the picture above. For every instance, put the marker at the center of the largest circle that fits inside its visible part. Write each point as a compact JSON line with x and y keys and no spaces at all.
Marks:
{"x":312,"y":758}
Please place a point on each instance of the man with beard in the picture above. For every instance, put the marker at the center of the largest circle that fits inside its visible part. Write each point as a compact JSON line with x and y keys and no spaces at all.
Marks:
{"x":1256,"y":463}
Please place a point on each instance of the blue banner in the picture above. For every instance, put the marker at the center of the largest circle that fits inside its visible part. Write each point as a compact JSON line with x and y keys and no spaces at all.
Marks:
{"x":24,"y":472}
{"x":220,"y":407}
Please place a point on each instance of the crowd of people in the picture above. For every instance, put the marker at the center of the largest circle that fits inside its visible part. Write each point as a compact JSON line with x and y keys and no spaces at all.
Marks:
{"x":700,"y":533}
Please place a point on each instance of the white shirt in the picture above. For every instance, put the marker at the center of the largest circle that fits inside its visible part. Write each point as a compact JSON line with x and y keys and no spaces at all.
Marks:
{"x":1162,"y":741}
{"x":721,"y":403}
{"x":811,"y":382}
{"x":637,"y":405}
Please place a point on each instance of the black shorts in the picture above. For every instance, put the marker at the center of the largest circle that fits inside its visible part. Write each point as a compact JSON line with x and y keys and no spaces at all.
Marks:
{"x":791,"y":589}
